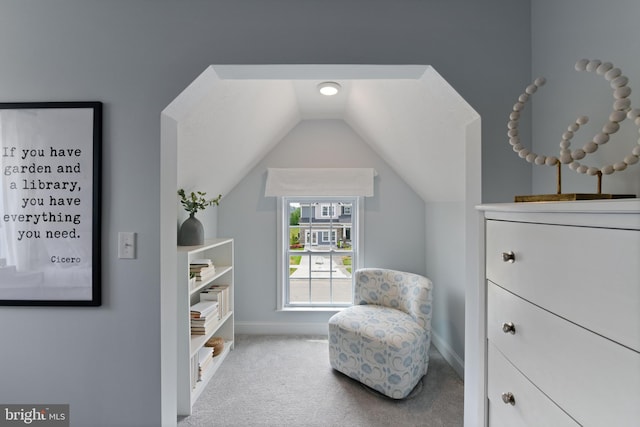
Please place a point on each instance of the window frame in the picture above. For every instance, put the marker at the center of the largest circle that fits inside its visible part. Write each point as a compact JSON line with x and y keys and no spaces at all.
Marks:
{"x":282,"y":230}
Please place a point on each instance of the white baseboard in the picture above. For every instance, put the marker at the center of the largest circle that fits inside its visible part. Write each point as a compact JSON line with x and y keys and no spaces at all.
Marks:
{"x":262,"y":328}
{"x":449,"y":355}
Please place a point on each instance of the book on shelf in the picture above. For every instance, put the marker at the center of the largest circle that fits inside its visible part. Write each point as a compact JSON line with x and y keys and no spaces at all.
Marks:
{"x":204,"y":308}
{"x":219,"y":293}
{"x":202,"y":268}
{"x":199,"y":321}
{"x":203,"y":367}
{"x":204,"y":353}
{"x":204,"y":322}
{"x":206,"y":328}
{"x":205,"y":315}
{"x":195,"y":368}
{"x":204,"y":262}
{"x":205,"y":359}
{"x":203,"y":273}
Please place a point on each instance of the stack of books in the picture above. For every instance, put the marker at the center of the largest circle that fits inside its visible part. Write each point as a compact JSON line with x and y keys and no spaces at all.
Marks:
{"x":220,"y":294}
{"x":205,"y":358}
{"x":202,"y":269}
{"x":200,"y":363}
{"x":205,"y":315}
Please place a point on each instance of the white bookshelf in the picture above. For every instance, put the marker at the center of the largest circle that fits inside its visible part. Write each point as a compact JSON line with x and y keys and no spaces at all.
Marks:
{"x":220,"y":251}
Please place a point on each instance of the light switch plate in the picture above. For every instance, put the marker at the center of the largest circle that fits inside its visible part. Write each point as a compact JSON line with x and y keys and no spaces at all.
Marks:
{"x":126,"y":245}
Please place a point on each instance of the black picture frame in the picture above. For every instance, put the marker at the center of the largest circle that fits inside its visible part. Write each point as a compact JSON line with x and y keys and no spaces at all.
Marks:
{"x":50,"y":203}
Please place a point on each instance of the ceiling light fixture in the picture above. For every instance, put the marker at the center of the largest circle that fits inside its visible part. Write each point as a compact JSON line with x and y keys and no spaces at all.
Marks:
{"x":329,"y":88}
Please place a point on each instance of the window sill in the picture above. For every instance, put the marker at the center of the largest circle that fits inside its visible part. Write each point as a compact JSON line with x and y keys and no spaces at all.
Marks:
{"x":313,"y":309}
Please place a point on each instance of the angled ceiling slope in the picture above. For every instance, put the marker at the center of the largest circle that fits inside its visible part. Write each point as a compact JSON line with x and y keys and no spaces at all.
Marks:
{"x":408,"y":114}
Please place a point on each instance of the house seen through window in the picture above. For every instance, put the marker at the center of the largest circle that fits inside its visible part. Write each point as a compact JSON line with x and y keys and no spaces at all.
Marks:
{"x":321,"y":251}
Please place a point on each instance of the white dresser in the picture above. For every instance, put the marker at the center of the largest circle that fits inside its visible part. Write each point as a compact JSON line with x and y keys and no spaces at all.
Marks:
{"x":562,"y":313}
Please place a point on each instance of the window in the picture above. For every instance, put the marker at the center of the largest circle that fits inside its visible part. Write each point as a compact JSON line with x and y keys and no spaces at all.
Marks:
{"x":327,"y":211}
{"x":319,"y":251}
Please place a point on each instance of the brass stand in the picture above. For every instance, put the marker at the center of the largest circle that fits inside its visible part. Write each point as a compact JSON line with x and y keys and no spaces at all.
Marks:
{"x":559,"y":197}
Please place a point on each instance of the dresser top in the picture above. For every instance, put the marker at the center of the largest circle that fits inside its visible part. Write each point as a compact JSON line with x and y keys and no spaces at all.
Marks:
{"x":617,"y":213}
{"x":590,"y":206}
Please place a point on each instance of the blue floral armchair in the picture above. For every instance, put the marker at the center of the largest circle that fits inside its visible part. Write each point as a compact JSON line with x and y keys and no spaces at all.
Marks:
{"x":383,"y":340}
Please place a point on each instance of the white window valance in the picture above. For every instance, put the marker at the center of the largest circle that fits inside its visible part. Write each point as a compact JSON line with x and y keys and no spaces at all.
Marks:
{"x":319,"y":182}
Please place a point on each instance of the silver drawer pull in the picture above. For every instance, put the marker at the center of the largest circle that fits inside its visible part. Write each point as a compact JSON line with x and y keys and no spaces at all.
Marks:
{"x":509,"y":328}
{"x":508,"y":398}
{"x":509,"y":257}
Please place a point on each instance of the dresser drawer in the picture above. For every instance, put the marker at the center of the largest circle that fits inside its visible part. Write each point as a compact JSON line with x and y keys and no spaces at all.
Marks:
{"x":593,"y":379}
{"x":530,"y":406}
{"x":587,"y":275}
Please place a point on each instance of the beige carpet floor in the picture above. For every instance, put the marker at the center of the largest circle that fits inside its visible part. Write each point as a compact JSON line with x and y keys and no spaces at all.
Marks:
{"x":286,"y":381}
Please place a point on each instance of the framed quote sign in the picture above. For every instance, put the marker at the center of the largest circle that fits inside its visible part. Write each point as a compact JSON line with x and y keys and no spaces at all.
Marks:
{"x":50,"y":157}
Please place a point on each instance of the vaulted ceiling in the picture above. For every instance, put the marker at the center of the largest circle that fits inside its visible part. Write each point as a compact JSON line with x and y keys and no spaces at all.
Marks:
{"x":230,"y":117}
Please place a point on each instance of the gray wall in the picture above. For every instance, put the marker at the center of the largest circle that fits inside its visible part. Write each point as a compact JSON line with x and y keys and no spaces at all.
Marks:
{"x":445,"y":244}
{"x":393,"y":220}
{"x":136,"y":57}
{"x":563,"y":33}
